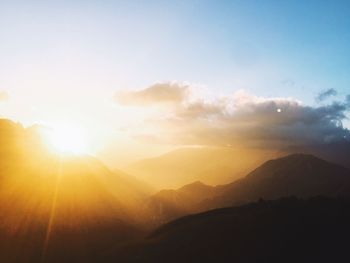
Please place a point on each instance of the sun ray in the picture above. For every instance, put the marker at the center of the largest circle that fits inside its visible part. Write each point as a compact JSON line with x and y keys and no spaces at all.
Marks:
{"x":52,"y":212}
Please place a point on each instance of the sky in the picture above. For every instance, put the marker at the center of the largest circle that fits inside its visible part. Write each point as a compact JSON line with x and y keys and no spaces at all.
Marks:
{"x":81,"y":62}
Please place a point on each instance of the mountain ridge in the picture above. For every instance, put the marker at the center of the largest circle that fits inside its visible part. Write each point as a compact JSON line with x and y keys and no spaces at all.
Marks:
{"x":212,"y":166}
{"x":302,"y":175}
{"x":284,"y":230}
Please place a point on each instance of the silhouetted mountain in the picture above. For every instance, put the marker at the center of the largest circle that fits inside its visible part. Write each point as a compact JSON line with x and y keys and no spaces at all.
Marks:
{"x":297,"y":174}
{"x":286,"y":230}
{"x":209,"y":165}
{"x":336,"y":152}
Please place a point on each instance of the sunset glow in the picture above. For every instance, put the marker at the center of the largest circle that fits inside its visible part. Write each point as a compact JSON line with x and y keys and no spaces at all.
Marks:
{"x":174,"y":131}
{"x":68,"y":139}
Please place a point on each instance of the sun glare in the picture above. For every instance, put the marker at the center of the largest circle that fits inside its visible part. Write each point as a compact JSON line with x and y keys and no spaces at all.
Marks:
{"x":68,"y":139}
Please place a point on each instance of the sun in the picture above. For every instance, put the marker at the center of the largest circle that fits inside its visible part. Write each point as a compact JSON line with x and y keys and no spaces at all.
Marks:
{"x":67,"y":138}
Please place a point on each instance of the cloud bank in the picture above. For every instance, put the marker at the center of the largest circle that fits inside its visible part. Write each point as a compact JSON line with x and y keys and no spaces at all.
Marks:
{"x":240,"y":119}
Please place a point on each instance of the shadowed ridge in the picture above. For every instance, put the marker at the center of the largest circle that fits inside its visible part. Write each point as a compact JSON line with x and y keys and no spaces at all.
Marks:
{"x":302,"y":175}
{"x":298,"y":158}
{"x":285,"y":230}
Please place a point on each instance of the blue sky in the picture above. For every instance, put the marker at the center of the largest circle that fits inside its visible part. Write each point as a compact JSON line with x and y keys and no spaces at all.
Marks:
{"x":79,"y":53}
{"x":274,"y":48}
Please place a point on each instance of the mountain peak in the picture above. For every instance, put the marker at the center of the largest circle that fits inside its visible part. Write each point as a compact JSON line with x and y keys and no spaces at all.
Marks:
{"x":300,"y":156}
{"x":295,"y":165}
{"x":301,"y":175}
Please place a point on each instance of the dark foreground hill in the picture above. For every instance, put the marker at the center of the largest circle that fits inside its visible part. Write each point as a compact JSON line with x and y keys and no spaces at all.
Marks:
{"x":286,"y":230}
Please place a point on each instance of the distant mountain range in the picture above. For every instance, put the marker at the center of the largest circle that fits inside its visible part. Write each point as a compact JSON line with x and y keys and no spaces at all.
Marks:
{"x":215,"y":166}
{"x":209,"y":165}
{"x":298,"y":175}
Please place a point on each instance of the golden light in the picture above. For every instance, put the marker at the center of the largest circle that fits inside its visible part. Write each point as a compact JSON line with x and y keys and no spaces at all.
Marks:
{"x":68,"y":139}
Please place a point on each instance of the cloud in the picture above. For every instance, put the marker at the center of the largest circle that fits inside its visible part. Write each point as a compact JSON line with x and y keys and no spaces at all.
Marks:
{"x":241,"y":119}
{"x":167,"y":92}
{"x":3,"y":96}
{"x":326,"y":94}
{"x":257,"y":122}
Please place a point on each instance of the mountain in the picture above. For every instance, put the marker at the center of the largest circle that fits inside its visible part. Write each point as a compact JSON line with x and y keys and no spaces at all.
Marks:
{"x":209,"y":165}
{"x":169,"y":204}
{"x":298,"y":175}
{"x":336,"y":152}
{"x":74,"y":209}
{"x":61,"y":208}
{"x":286,"y":230}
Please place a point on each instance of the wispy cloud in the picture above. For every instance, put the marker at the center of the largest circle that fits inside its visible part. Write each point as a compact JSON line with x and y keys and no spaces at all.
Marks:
{"x":168,"y":92}
{"x":326,"y":94}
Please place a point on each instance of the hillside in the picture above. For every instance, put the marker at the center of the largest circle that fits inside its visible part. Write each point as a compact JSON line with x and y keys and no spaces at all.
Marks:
{"x":286,"y":230}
